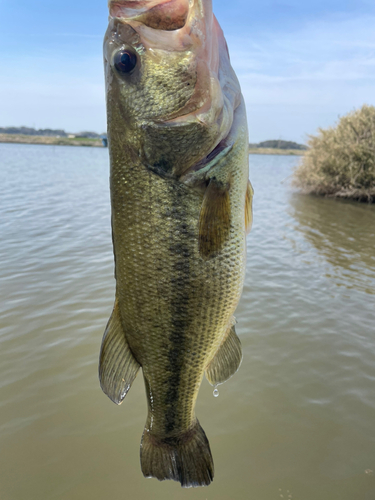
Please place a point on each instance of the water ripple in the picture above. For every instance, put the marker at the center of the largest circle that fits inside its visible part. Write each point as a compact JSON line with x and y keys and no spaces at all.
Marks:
{"x":300,"y":412}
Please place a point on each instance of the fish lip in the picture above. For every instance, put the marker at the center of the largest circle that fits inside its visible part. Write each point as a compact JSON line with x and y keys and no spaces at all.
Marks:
{"x":130,"y":8}
{"x":112,"y":34}
{"x":138,"y":5}
{"x":167,"y":15}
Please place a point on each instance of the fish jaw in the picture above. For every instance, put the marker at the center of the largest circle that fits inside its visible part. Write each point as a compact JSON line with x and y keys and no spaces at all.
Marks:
{"x":167,"y":15}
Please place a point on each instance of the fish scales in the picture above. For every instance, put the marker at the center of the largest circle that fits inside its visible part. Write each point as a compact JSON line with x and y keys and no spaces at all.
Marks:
{"x":167,"y":297}
{"x":178,"y":224}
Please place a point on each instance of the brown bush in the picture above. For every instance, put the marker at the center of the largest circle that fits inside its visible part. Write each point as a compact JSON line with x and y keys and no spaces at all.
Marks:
{"x":341,"y":160}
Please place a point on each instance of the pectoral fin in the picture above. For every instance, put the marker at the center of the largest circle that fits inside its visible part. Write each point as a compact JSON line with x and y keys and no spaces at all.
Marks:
{"x":214,"y":220}
{"x":249,"y":207}
{"x":227,"y":360}
{"x":117,"y":365}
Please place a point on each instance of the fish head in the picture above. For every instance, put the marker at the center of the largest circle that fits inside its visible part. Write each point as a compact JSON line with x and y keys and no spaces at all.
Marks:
{"x":171,"y":91}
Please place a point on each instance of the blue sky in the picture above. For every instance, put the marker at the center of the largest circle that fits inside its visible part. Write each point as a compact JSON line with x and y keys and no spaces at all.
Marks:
{"x":301,"y":64}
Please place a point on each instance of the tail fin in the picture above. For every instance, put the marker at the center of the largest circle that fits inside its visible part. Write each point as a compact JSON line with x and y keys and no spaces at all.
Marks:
{"x":186,"y":458}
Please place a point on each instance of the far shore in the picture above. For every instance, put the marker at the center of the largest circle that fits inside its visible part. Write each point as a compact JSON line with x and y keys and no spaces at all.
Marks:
{"x":50,"y":140}
{"x":276,"y":151}
{"x":84,"y":141}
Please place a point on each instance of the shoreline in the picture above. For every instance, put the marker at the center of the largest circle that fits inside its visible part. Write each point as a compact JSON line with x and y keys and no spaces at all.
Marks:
{"x":50,"y":140}
{"x":275,"y":151}
{"x":360,"y":195}
{"x":97,"y":143}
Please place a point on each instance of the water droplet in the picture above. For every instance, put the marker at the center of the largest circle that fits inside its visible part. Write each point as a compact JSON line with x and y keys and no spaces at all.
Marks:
{"x":216,"y":392}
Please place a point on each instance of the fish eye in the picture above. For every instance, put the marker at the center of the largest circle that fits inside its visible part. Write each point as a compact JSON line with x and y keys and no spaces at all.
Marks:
{"x":125,"y":61}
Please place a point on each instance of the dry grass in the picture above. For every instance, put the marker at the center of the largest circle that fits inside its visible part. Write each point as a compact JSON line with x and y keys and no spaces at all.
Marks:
{"x":340,"y":160}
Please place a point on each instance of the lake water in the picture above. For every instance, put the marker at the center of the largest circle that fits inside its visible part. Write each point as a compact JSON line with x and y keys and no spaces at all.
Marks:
{"x":296,"y":422}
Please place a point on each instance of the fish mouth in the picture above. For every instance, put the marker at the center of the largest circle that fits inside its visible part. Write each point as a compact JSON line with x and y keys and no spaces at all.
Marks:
{"x":165,"y":15}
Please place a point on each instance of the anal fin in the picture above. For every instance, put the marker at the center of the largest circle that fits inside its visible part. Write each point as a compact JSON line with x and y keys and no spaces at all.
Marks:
{"x":117,"y":365}
{"x":227,"y":359}
{"x":214,"y":219}
{"x":249,"y":207}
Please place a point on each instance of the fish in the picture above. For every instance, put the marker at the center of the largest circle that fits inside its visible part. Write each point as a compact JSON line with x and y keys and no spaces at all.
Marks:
{"x":181,"y":204}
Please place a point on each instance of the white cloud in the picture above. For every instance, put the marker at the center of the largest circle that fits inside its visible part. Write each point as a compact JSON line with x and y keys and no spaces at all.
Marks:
{"x":295,"y":82}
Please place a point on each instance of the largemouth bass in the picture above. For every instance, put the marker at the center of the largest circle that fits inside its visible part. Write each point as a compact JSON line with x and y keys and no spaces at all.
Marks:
{"x":181,"y":207}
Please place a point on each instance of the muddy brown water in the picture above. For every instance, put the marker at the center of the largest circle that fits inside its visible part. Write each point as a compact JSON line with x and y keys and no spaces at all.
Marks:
{"x":296,"y":422}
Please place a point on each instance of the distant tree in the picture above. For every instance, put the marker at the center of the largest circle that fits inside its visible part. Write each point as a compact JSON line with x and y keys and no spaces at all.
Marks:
{"x":340,"y":160}
{"x":33,"y":131}
{"x":46,"y":132}
{"x":278,"y":144}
